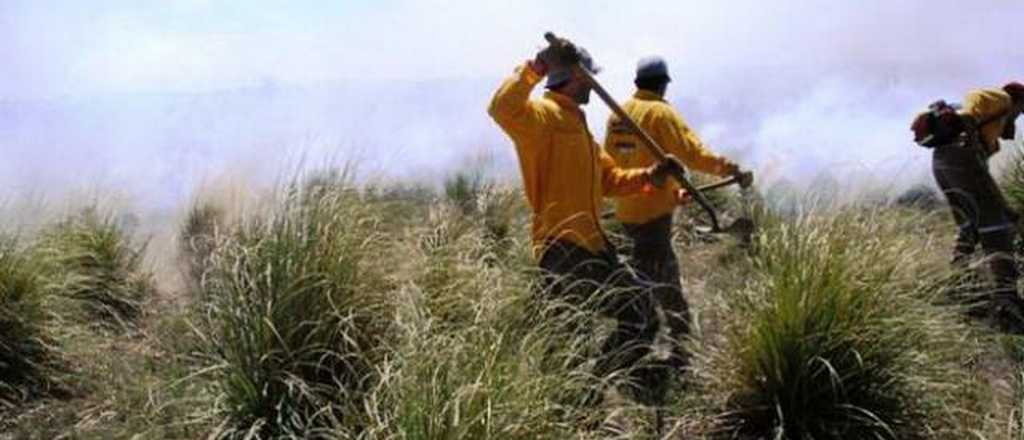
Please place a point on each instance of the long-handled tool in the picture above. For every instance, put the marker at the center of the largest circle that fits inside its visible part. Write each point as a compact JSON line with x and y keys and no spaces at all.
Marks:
{"x":740,"y":180}
{"x":656,"y":150}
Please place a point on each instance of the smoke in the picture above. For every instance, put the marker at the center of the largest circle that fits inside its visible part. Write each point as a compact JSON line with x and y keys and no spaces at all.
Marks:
{"x":155,"y":99}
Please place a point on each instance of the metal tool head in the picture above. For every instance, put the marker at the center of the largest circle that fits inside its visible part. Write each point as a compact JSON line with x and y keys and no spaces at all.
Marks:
{"x":742,"y":228}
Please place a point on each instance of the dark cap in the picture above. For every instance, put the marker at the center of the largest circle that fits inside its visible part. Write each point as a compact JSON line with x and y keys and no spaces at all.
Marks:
{"x":1015,"y":90}
{"x":560,"y":75}
{"x":653,"y":67}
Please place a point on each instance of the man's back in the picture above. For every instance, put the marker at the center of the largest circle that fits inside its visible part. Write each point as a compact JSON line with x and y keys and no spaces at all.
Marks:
{"x":992,"y":106}
{"x":656,"y":117}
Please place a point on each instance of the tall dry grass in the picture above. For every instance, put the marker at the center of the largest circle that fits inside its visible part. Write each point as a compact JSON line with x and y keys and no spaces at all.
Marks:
{"x":291,"y":330}
{"x":98,"y":265}
{"x":26,"y":345}
{"x":332,"y":310}
{"x":839,"y":332}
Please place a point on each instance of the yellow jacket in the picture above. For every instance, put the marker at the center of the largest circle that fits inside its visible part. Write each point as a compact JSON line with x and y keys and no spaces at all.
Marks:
{"x":666,"y":126}
{"x":984,"y":104}
{"x":565,"y":173}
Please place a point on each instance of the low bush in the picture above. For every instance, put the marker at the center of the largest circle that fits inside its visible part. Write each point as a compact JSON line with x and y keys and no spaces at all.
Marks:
{"x":97,"y":264}
{"x":25,"y":347}
{"x":292,"y":334}
{"x":197,"y":240}
{"x":841,"y":338}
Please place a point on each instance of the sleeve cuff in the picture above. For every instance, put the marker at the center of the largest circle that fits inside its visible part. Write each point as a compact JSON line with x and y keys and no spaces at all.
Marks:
{"x":528,"y":74}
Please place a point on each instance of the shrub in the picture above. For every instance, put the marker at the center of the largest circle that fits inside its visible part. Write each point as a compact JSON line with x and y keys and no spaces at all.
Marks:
{"x":198,"y":239}
{"x":294,"y":334}
{"x":24,"y":348}
{"x":475,"y":358}
{"x":842,"y":341}
{"x":502,"y":211}
{"x":464,"y":189}
{"x":399,"y":204}
{"x":480,"y":383}
{"x":1012,"y":179}
{"x":919,"y":196}
{"x":98,"y":265}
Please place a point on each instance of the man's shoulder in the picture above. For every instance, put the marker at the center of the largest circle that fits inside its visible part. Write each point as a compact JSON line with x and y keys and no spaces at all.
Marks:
{"x":550,"y":107}
{"x":661,"y":111}
{"x":988,"y":94}
{"x":664,"y":106}
{"x":557,"y":115}
{"x":649,"y":106}
{"x":986,"y":101}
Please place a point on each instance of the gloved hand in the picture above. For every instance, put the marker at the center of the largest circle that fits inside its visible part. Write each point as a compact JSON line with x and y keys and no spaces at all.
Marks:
{"x":556,"y":56}
{"x":744,"y":178}
{"x":668,"y":167}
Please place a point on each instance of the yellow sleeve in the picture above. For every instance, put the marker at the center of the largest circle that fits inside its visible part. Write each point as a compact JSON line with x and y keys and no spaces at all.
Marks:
{"x":678,"y":139}
{"x":984,"y":104}
{"x":511,"y":107}
{"x":617,"y":181}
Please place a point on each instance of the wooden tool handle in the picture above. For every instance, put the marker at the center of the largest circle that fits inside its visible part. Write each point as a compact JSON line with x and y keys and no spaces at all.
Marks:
{"x":646,"y":139}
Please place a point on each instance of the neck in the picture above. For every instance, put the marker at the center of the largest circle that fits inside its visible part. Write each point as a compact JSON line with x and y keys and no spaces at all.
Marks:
{"x":658,"y":93}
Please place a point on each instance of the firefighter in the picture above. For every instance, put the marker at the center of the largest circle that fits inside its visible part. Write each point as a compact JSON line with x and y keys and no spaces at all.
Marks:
{"x":977,"y":204}
{"x":565,"y":176}
{"x":647,"y":217}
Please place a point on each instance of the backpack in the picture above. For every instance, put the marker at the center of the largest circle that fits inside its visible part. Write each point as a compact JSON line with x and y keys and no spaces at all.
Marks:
{"x":939,"y":125}
{"x":942,"y":125}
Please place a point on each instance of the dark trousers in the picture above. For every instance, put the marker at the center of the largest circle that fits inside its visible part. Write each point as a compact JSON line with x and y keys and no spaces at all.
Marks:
{"x":578,"y":277}
{"x":653,"y":258}
{"x":980,"y":213}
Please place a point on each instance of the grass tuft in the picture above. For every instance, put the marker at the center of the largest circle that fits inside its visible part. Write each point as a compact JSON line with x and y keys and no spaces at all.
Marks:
{"x":335,"y":311}
{"x":464,"y":189}
{"x":197,"y":240}
{"x":1012,"y":179}
{"x":98,"y":265}
{"x":292,"y":335}
{"x":475,"y":355}
{"x":841,"y":340}
{"x":25,"y":347}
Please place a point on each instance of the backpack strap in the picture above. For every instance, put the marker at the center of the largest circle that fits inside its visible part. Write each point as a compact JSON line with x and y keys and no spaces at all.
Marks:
{"x":994,"y":118}
{"x":978,"y":125}
{"x":974,"y":128}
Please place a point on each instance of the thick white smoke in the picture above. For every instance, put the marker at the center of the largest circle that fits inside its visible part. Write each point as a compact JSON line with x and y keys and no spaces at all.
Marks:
{"x":156,"y":98}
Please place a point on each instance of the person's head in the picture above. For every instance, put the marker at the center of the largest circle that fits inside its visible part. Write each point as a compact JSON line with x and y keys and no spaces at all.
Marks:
{"x":652,"y":75}
{"x":1016,"y":92}
{"x":567,"y":81}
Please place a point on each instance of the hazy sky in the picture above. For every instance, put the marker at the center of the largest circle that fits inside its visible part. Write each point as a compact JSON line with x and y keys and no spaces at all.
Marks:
{"x":792,"y":87}
{"x":69,"y":47}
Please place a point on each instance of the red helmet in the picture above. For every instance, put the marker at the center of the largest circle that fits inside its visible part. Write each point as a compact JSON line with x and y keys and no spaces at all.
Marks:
{"x":1015,"y":90}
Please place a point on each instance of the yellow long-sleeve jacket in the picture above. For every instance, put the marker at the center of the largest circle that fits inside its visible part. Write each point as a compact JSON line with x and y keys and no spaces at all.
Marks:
{"x":565,"y":173}
{"x":984,"y":104}
{"x":657,"y":117}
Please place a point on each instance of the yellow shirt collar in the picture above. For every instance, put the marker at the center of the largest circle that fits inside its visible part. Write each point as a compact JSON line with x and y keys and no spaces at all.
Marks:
{"x":647,"y":95}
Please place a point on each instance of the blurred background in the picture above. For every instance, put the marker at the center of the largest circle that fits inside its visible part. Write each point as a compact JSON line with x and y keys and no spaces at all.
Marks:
{"x":154,"y":99}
